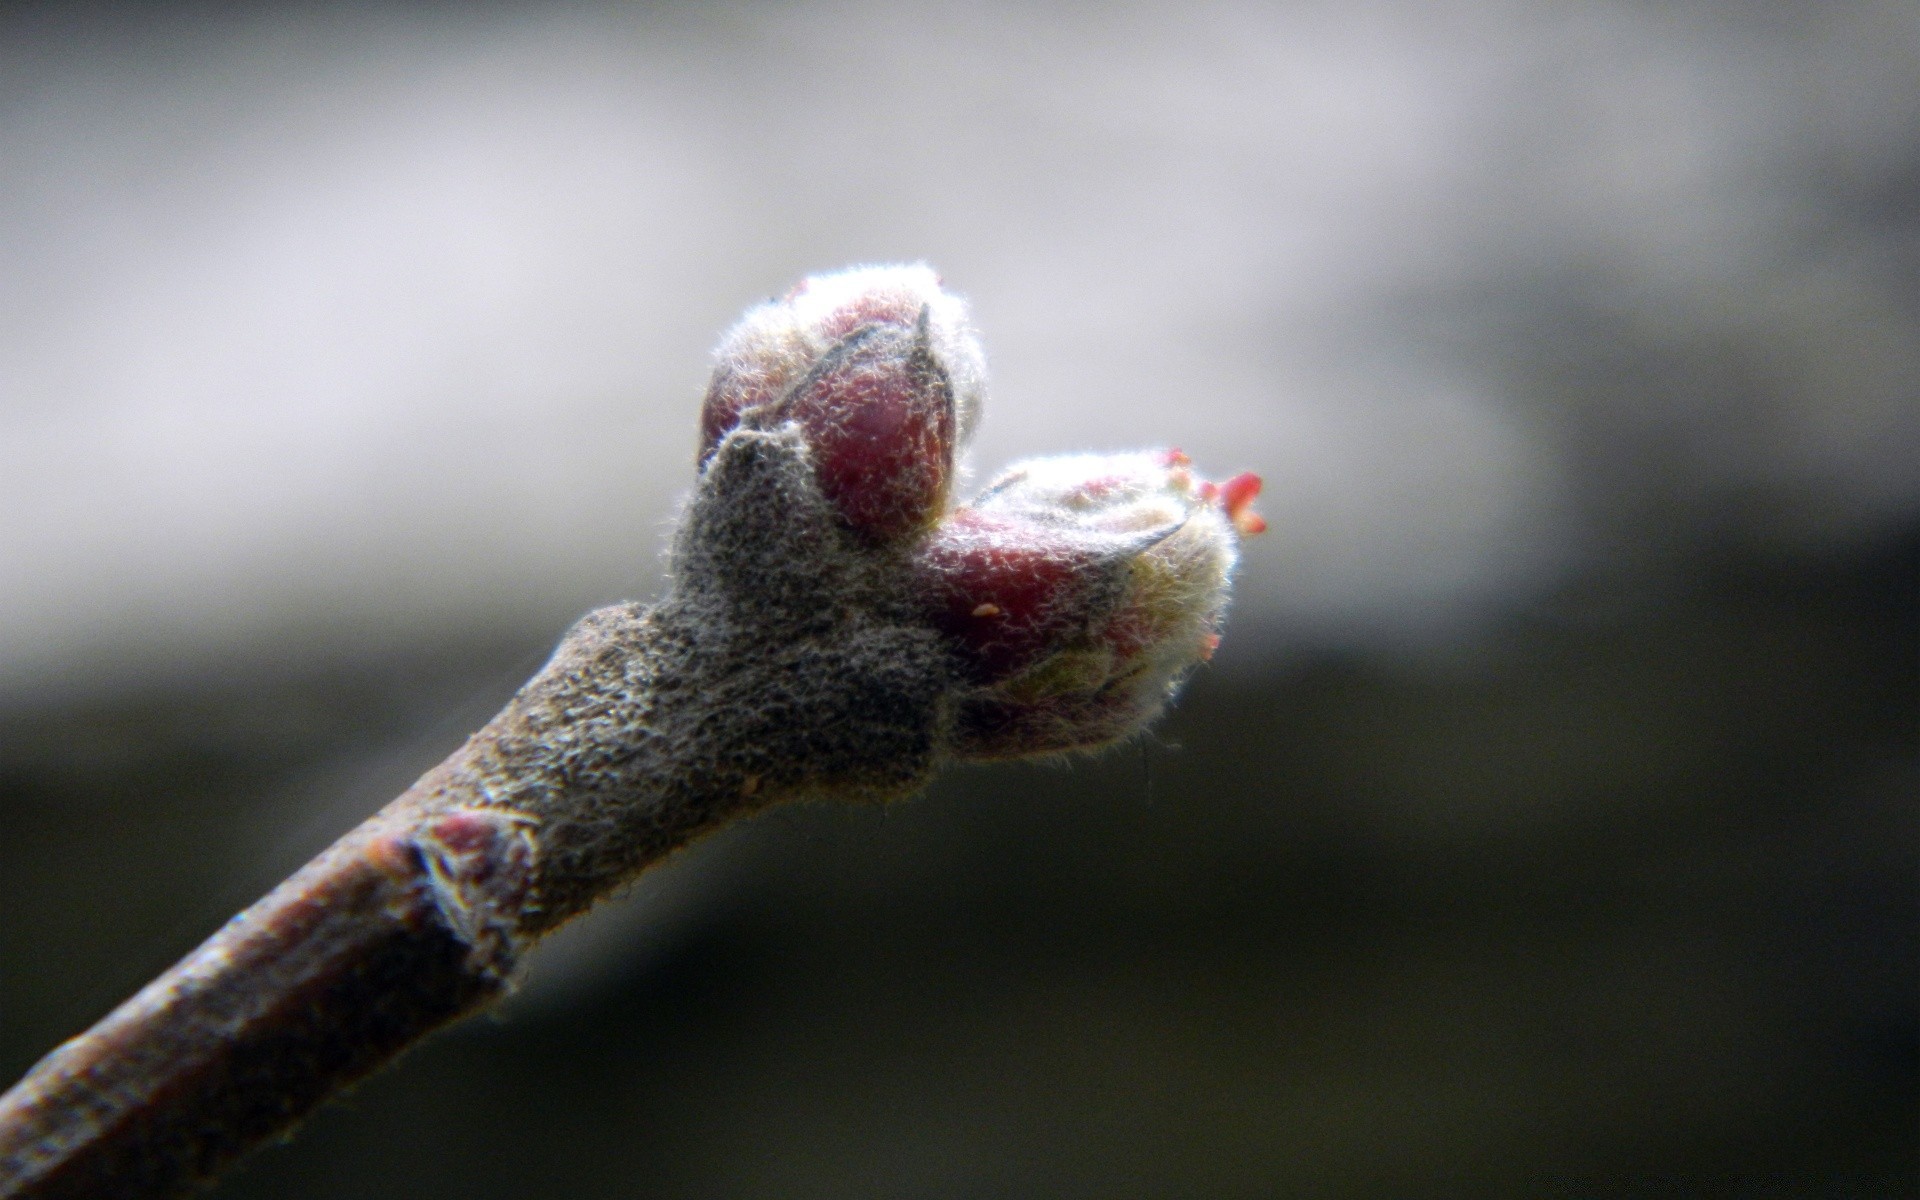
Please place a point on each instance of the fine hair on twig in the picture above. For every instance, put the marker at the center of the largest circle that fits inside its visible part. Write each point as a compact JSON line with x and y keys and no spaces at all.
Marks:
{"x":835,"y":628}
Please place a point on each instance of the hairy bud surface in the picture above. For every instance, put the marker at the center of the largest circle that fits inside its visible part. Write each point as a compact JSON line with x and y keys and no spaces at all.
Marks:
{"x":1071,"y":595}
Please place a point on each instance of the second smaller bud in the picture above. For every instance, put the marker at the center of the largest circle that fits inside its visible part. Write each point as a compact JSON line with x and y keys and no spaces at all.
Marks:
{"x":1075,"y":592}
{"x":877,"y":368}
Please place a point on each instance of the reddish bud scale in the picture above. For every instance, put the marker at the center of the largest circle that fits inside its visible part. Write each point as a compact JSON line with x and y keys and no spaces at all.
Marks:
{"x":898,"y":308}
{"x":878,"y":369}
{"x":1101,"y":581}
{"x":878,"y":415}
{"x":745,"y":381}
{"x":1006,"y":592}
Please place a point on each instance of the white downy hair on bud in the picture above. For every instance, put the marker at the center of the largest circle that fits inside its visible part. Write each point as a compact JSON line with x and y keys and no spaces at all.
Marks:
{"x":780,"y":339}
{"x":1116,"y":567}
{"x":1110,"y":493}
{"x":1179,"y":545}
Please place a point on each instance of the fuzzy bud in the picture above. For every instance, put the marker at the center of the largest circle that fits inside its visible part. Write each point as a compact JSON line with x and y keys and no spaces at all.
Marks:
{"x":878,"y":368}
{"x":1077,"y":591}
{"x":1057,"y":611}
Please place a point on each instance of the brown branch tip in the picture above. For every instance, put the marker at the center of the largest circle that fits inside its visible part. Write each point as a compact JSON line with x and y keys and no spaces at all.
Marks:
{"x":835,"y":628}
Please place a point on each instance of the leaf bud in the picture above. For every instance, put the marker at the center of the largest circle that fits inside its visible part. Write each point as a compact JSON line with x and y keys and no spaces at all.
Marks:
{"x":1077,"y":591}
{"x":881,"y":372}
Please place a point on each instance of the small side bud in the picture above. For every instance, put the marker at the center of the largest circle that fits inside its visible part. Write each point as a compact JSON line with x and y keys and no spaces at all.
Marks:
{"x":878,"y":368}
{"x":1076,"y":592}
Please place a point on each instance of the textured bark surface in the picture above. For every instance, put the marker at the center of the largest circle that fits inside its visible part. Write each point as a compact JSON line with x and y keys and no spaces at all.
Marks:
{"x":778,"y":667}
{"x":321,"y":982}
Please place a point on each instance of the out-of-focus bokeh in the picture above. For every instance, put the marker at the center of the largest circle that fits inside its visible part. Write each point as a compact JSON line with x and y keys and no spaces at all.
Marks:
{"x":1547,"y":824}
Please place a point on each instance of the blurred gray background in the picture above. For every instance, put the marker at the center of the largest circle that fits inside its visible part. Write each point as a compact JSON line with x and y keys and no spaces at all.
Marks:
{"x":1547,"y":824}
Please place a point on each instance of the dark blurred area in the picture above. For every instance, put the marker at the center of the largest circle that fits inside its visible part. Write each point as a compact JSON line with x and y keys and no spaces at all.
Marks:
{"x":1547,"y":824}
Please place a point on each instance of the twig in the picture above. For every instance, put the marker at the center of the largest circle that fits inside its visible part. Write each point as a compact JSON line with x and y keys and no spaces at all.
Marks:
{"x":832,"y":631}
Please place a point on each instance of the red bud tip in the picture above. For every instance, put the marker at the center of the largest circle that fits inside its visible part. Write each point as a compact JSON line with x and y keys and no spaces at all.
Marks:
{"x":1236,"y":497}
